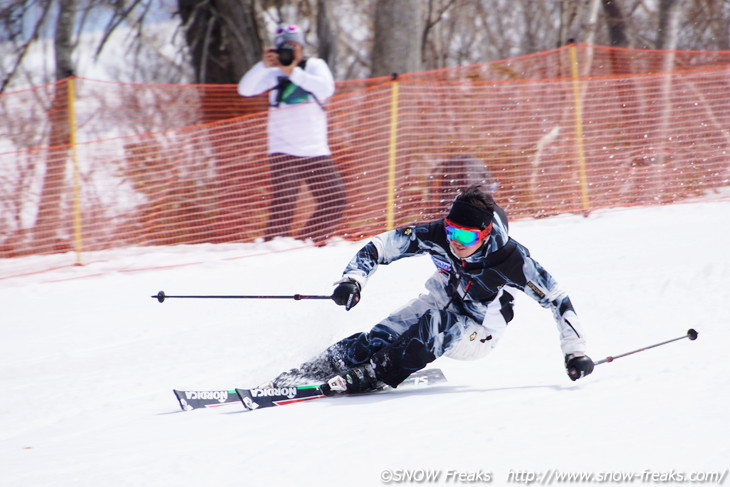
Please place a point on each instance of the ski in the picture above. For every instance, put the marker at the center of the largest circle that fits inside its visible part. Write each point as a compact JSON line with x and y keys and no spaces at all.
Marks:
{"x":269,"y":397}
{"x":190,"y":400}
{"x":266,"y":397}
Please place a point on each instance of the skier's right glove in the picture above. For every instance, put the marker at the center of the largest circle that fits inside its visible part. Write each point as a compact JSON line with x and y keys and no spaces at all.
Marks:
{"x":347,"y":294}
{"x":578,"y":365}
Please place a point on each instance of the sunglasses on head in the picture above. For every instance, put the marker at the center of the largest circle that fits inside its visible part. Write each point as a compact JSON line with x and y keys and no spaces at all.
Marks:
{"x":463,"y":235}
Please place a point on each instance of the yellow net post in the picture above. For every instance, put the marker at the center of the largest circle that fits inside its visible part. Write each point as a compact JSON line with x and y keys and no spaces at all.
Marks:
{"x":392,"y":152}
{"x":76,"y":178}
{"x":578,"y":105}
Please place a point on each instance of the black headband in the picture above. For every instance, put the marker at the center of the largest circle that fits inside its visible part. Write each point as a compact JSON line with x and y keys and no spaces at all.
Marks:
{"x":469,"y":216}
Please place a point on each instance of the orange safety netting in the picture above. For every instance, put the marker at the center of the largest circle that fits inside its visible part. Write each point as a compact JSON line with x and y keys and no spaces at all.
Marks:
{"x":88,"y":165}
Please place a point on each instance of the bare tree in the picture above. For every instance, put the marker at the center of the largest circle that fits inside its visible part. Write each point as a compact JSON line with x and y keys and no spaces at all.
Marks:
{"x":223,"y":38}
{"x":12,"y":18}
{"x":579,"y":21}
{"x":397,"y":38}
{"x":710,"y":19}
{"x":668,"y":29}
{"x":568,"y":19}
{"x":327,"y":40}
{"x":47,"y":225}
{"x":63,"y":41}
{"x":434,"y":40}
{"x":616,"y":23}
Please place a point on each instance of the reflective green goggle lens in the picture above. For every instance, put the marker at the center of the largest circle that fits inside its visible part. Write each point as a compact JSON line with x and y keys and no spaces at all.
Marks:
{"x":464,"y":237}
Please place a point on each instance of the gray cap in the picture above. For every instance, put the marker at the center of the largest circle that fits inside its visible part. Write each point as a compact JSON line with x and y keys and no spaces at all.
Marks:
{"x":291,"y":33}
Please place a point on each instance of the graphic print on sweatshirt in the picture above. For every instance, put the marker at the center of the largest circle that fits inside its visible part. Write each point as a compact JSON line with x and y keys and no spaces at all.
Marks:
{"x":291,"y":94}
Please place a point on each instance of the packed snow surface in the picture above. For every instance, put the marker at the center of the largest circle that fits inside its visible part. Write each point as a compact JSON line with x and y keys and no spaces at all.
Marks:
{"x":88,"y":362}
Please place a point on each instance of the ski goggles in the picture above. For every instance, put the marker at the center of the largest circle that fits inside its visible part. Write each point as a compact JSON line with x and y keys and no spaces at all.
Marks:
{"x":292,"y":29}
{"x":463,"y":235}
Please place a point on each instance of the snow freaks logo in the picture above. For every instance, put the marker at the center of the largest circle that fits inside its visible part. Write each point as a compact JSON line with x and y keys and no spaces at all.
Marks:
{"x":220,"y":396}
{"x":423,"y":476}
{"x":290,"y":392}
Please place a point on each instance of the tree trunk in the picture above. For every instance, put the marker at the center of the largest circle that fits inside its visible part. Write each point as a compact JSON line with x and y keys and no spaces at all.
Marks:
{"x":667,"y":40}
{"x":590,"y":22}
{"x":668,"y":24}
{"x":223,"y":38}
{"x":616,"y":23}
{"x":63,"y":40}
{"x":397,"y":45}
{"x":326,"y":39}
{"x":578,"y":22}
{"x":47,"y":231}
{"x":568,"y":17}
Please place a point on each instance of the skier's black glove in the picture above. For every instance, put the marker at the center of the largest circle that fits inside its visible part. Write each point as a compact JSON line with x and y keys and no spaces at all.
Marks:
{"x":578,"y":365}
{"x":347,"y":294}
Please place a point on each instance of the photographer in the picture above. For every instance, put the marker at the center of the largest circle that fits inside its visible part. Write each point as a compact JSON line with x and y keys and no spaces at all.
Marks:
{"x":297,"y":135}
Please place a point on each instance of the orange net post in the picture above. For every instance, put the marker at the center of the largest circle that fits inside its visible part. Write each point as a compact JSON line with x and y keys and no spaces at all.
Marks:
{"x":126,"y":165}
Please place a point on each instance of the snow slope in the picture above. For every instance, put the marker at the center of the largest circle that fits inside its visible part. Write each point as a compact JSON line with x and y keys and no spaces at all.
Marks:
{"x":88,"y":361}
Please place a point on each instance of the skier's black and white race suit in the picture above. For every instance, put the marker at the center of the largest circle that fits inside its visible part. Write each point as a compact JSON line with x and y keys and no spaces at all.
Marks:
{"x":465,"y":310}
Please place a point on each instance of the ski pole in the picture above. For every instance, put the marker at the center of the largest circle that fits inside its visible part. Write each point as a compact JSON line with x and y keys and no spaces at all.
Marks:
{"x":161,"y":297}
{"x":691,"y":334}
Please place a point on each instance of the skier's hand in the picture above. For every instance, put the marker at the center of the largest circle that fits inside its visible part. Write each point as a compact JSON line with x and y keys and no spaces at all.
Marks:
{"x":578,"y":365}
{"x":347,"y":294}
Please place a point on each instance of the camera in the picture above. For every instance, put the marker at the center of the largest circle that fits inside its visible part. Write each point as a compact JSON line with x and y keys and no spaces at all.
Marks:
{"x":286,"y":55}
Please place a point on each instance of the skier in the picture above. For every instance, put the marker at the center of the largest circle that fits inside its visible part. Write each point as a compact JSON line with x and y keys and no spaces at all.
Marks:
{"x":464,"y":313}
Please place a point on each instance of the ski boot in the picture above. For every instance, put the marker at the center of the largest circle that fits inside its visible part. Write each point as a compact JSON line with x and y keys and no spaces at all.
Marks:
{"x":357,"y":380}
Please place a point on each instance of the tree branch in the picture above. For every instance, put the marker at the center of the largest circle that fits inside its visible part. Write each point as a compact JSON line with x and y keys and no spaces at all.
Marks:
{"x":25,"y":47}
